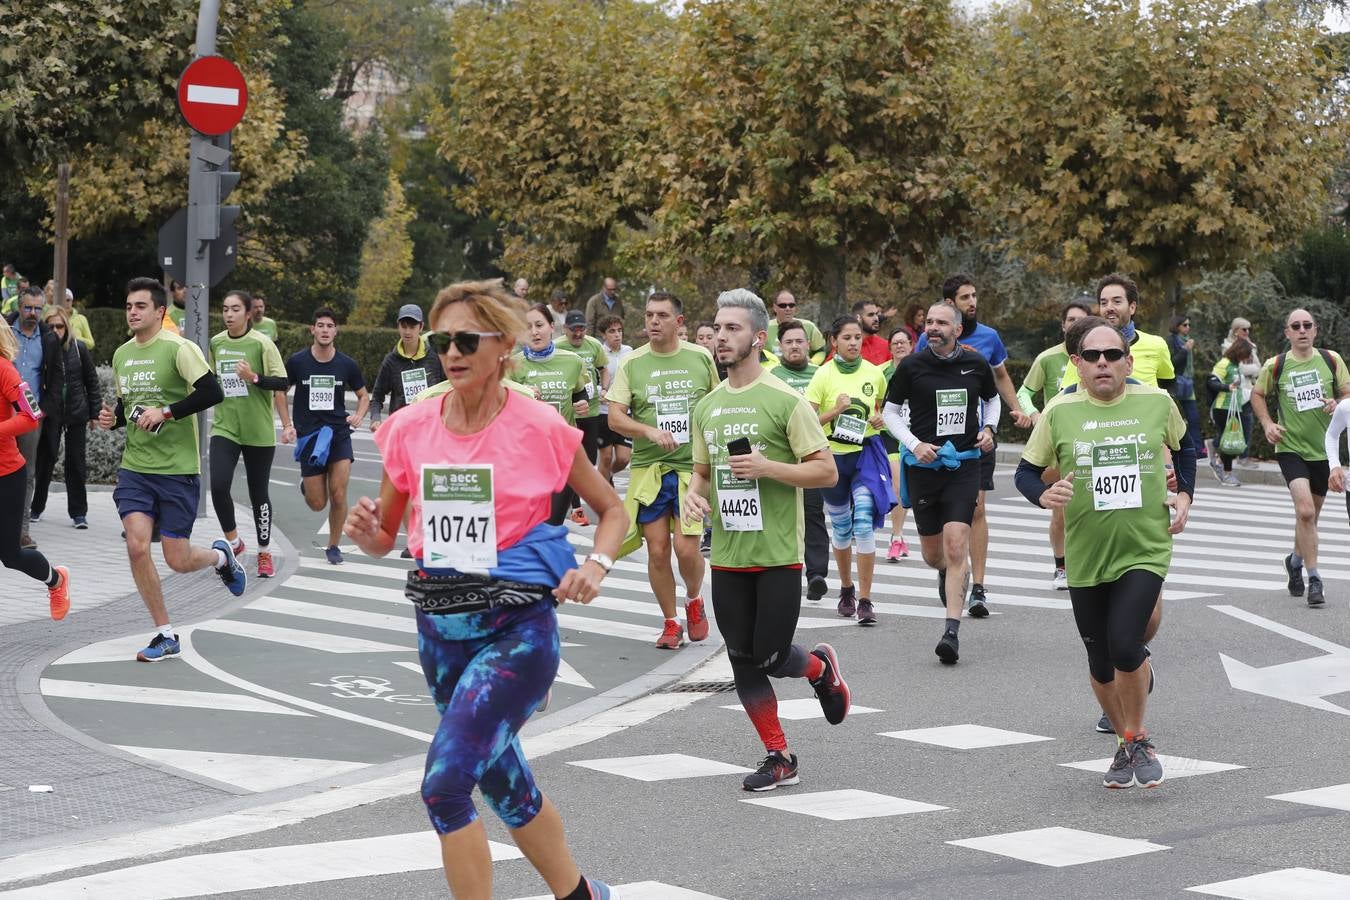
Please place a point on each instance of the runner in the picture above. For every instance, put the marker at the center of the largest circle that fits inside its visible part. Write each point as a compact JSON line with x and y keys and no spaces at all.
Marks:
{"x":756,"y":445}
{"x":487,"y":632}
{"x":321,"y":428}
{"x":162,"y":381}
{"x":901,"y":346}
{"x":785,"y":310}
{"x":1109,"y":440}
{"x":19,"y":413}
{"x":797,"y":371}
{"x":953,"y":414}
{"x":561,"y":377}
{"x":593,"y":354}
{"x":1307,"y":382}
{"x":654,"y":391}
{"x":1044,"y":378}
{"x":615,"y":449}
{"x":407,"y":370}
{"x":1340,"y":423}
{"x":253,"y":379}
{"x":262,"y":323}
{"x":846,"y":393}
{"x":959,"y":290}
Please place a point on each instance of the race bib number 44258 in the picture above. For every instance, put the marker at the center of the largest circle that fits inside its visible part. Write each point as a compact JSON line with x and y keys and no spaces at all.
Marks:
{"x":459,"y":521}
{"x":1307,"y":390}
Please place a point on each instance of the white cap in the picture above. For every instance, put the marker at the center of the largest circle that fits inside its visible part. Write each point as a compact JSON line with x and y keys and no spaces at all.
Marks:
{"x":70,"y":295}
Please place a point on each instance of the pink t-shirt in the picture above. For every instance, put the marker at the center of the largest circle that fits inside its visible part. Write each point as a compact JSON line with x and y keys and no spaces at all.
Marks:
{"x":529,"y":445}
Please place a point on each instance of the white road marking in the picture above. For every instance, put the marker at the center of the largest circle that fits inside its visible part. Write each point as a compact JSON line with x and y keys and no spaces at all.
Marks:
{"x":966,"y":737}
{"x":1304,"y":681}
{"x":567,"y":674}
{"x":1173,"y":766}
{"x":844,"y":805}
{"x":310,"y":640}
{"x":350,"y":589}
{"x":1335,"y":797}
{"x":660,"y":766}
{"x":1059,"y":847}
{"x":246,"y":770}
{"x":606,"y":627}
{"x":1305,"y":884}
{"x":156,"y":696}
{"x":803,"y":708}
{"x":285,"y":606}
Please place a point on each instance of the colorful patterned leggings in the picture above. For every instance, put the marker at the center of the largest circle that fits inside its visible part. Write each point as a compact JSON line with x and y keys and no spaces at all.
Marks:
{"x":488,"y":671}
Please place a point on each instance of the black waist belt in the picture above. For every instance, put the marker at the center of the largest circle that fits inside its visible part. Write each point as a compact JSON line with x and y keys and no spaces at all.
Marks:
{"x":442,"y":594}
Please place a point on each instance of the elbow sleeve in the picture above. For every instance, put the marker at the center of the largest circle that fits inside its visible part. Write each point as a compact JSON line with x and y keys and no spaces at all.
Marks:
{"x":1028,"y":481}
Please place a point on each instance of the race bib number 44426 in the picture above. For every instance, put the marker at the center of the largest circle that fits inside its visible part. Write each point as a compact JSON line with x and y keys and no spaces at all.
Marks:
{"x":459,"y":521}
{"x":738,"y":502}
{"x":1115,"y":477}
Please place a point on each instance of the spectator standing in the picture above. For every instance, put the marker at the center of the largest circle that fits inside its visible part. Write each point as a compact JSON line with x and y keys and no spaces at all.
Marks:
{"x":407,"y":370}
{"x":521,"y":288}
{"x":1250,"y":367}
{"x":1182,"y":347}
{"x":77,"y":323}
{"x":1229,"y":390}
{"x":41,"y":364}
{"x":785,"y":310}
{"x":177,"y":308}
{"x":81,"y":401}
{"x":605,"y":303}
{"x":914,"y":322}
{"x":9,"y":288}
{"x":557,"y":308}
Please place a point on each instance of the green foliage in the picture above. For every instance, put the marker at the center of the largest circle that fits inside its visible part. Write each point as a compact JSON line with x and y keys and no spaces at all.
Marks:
{"x":397,"y":36}
{"x":1178,"y":138}
{"x":1319,"y":265}
{"x":386,"y":260}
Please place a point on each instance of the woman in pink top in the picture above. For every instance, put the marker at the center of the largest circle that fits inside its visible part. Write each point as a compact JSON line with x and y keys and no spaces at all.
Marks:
{"x":479,"y":467}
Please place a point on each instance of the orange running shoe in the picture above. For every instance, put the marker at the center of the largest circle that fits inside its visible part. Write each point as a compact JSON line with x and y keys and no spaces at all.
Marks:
{"x":579,"y":516}
{"x":698,"y":621}
{"x":671,"y":637}
{"x":59,"y":596}
{"x":265,"y":569}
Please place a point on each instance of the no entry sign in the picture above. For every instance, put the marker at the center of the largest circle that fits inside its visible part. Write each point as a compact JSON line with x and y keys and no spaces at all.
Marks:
{"x":212,"y":95}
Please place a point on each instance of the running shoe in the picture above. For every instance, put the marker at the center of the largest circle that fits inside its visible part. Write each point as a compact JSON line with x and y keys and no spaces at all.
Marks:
{"x":405,"y":553}
{"x":672,"y":636}
{"x":775,"y":770}
{"x":949,"y":648}
{"x":1121,"y":773}
{"x":231,"y":573}
{"x":975,"y":603}
{"x":35,"y":517}
{"x":239,"y":548}
{"x":1104,"y":725}
{"x":695,"y":618}
{"x":816,"y":587}
{"x":1216,"y":466}
{"x":942,"y":588}
{"x":831,"y":689}
{"x":866,"y":615}
{"x":80,"y":522}
{"x":1060,"y":580}
{"x":599,"y":890}
{"x":1228,"y":479}
{"x":705,"y":542}
{"x":848,"y":603}
{"x":579,"y":516}
{"x":27,"y":543}
{"x":1315,"y":595}
{"x":160,"y":649}
{"x":1295,"y":576}
{"x":904,"y":549}
{"x":333,"y":554}
{"x":1148,"y":770}
{"x":265,"y":567}
{"x":59,"y":597}
{"x":893,"y":552}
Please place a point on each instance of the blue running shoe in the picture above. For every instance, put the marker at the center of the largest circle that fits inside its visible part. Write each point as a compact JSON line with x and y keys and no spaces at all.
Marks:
{"x":231,"y":573}
{"x":599,"y":890}
{"x":161,"y":648}
{"x":333,"y":555}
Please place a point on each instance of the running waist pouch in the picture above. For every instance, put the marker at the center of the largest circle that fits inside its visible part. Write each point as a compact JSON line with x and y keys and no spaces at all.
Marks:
{"x":449,"y":594}
{"x":313,"y":447}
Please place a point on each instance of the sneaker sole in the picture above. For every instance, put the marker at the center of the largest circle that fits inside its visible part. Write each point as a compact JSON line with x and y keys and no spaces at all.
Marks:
{"x":1148,"y":784}
{"x":1116,"y":785}
{"x":141,"y":657}
{"x":769,"y":787}
{"x":814,"y":594}
{"x":866,"y":622}
{"x":947,"y":654}
{"x":1100,"y":730}
{"x":978,"y":611}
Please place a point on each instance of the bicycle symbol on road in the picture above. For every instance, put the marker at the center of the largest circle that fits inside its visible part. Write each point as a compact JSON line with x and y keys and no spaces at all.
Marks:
{"x":369,"y":687}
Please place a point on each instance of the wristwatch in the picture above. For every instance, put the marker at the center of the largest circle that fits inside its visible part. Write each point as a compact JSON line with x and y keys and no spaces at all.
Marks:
{"x":167,"y":412}
{"x":604,"y":561}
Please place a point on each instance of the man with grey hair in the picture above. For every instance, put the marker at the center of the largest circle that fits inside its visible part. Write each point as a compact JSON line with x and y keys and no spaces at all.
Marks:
{"x":605,"y":303}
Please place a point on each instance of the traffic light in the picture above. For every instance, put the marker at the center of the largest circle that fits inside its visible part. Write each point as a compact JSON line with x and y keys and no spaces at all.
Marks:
{"x":210,"y":166}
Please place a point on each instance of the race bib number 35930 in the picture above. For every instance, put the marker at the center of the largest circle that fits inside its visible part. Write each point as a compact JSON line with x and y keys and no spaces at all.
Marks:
{"x":459,"y":521}
{"x":322,"y":393}
{"x":1115,"y":477}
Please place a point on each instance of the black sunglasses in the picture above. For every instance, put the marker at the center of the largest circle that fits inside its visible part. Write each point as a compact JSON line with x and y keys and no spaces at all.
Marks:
{"x":786,"y":305}
{"x":1112,"y":354}
{"x":466,"y":342}
{"x":1301,"y":326}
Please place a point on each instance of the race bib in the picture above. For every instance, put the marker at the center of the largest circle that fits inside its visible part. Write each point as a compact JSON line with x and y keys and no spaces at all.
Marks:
{"x":1307,"y":387}
{"x":590,"y":389}
{"x":459,"y":521}
{"x":951,"y":412}
{"x":414,"y":383}
{"x":1115,"y":477}
{"x":849,"y":429}
{"x":322,"y":393}
{"x":231,"y":383}
{"x":738,"y":502}
{"x":673,"y":416}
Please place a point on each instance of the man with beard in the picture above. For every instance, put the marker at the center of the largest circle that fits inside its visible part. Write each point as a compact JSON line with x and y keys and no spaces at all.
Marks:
{"x":875,"y":348}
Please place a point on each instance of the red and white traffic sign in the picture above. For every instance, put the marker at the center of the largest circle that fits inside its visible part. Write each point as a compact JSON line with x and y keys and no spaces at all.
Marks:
{"x":212,"y":95}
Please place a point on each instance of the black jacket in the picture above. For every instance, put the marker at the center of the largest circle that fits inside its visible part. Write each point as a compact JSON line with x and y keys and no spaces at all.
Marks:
{"x":53,"y":369}
{"x":389,"y":380}
{"x":83,"y":395}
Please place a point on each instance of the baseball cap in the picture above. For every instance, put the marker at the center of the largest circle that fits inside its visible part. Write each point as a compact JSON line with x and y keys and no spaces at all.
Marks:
{"x":575,"y":318}
{"x":410,"y":311}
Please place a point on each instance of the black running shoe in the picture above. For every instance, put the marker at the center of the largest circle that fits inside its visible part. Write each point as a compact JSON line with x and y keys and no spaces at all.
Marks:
{"x":1104,"y":725}
{"x":776,"y":769}
{"x":948,"y":649}
{"x":1315,"y":595}
{"x":1295,"y":576}
{"x":831,"y":689}
{"x":975,"y":604}
{"x":816,"y":587}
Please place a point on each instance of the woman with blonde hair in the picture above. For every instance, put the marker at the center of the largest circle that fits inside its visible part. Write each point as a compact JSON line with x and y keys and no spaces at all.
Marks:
{"x":479,"y":466}
{"x":1249,"y":367}
{"x":19,"y":414}
{"x":82,"y":401}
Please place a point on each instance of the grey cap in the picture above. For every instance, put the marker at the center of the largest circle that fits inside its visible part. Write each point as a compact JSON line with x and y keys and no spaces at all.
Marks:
{"x":575,"y":318}
{"x":410,"y":311}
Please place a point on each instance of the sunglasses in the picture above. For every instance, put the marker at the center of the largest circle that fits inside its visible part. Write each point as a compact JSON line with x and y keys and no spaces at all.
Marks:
{"x":786,"y":305}
{"x":466,"y":342}
{"x":1301,"y":326}
{"x":1112,"y":354}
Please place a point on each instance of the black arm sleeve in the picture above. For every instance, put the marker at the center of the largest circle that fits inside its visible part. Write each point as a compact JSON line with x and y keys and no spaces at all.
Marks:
{"x":1168,"y":384}
{"x":206,"y":393}
{"x":273,"y":382}
{"x":1027,"y":479}
{"x":578,"y":396}
{"x":92,"y":391}
{"x":1183,"y":460}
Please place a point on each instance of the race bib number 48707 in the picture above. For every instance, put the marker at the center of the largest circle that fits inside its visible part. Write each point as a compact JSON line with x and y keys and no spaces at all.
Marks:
{"x":459,"y":521}
{"x":1115,"y":477}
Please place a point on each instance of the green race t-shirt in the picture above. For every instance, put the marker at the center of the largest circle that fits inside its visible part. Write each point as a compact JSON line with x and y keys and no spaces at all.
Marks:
{"x":797,"y":379}
{"x":866,"y":388}
{"x":1118,"y":518}
{"x":245,"y":415}
{"x":1305,"y":385}
{"x":814,"y":339}
{"x":593,"y":354}
{"x":267,"y":327}
{"x":1046,"y":374}
{"x":176,"y":315}
{"x":557,"y":378}
{"x":661,"y":390}
{"x":1231,"y":376}
{"x":755,"y":522}
{"x":152,"y":375}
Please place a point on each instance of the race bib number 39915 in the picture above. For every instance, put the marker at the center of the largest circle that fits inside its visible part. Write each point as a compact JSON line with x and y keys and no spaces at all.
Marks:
{"x":1115,"y":477}
{"x":459,"y":521}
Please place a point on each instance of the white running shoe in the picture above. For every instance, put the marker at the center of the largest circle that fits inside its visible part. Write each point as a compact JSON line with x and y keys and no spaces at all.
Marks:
{"x":1059,"y":581}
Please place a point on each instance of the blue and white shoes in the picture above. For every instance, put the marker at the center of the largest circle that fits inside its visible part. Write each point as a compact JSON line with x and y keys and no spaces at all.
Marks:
{"x":231,"y":573}
{"x":160,"y":649}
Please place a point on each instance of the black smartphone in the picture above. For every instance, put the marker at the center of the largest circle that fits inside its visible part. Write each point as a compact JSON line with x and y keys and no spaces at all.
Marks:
{"x":136,"y":417}
{"x":738,"y":447}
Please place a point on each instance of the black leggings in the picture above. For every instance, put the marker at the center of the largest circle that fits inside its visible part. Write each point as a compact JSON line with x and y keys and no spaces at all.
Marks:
{"x":1112,"y":618}
{"x":590,"y":442}
{"x":757,"y":615}
{"x":30,"y":562}
{"x":257,"y":469}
